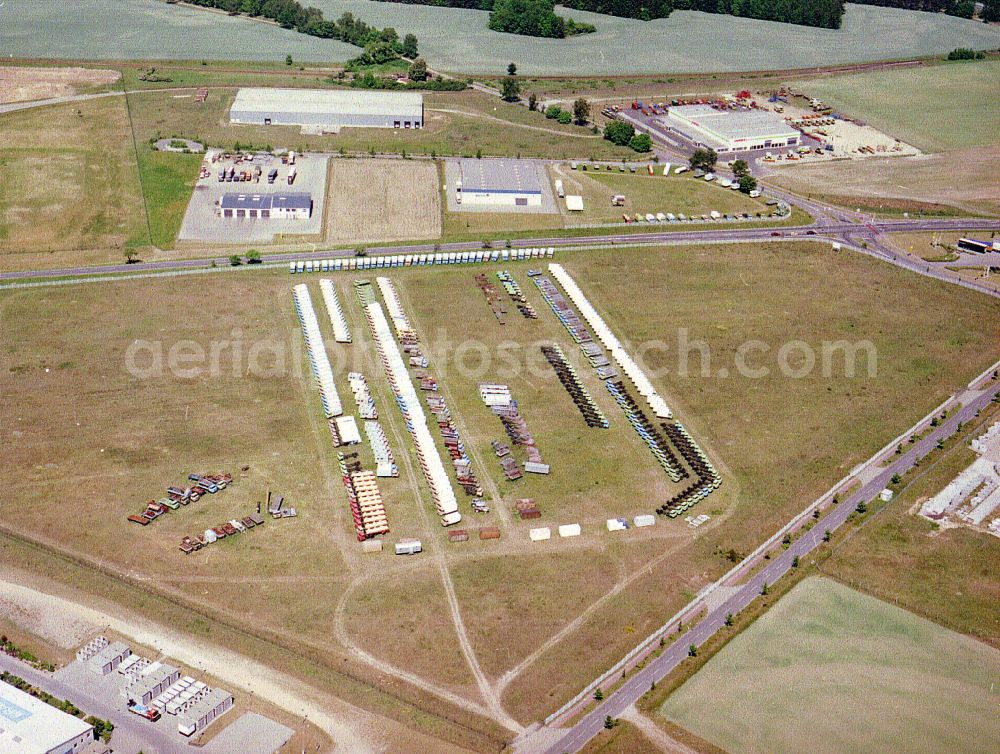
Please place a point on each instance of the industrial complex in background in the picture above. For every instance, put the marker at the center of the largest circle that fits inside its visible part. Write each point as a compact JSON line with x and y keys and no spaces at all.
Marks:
{"x":321,"y":110}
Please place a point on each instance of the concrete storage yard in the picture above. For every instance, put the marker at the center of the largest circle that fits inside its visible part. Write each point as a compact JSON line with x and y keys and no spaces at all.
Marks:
{"x":824,"y":646}
{"x":459,"y":40}
{"x":202,"y":221}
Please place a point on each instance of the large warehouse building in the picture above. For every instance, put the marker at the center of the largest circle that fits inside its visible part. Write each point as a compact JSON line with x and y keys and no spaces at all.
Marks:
{"x":328,"y":109}
{"x":30,"y":726}
{"x":732,"y":130}
{"x":499,"y":182}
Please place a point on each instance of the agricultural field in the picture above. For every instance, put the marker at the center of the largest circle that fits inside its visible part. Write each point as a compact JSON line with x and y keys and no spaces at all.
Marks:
{"x":934,"y":107}
{"x":824,"y":647}
{"x":382,"y":200}
{"x":76,"y":196}
{"x":649,"y":194}
{"x":24,"y":83}
{"x":459,"y":40}
{"x":540,"y":618}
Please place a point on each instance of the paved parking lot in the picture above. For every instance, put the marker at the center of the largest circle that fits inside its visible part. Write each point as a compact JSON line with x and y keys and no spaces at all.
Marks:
{"x":202,"y":221}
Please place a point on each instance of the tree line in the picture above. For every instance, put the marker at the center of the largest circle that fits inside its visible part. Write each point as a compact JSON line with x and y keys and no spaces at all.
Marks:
{"x":822,"y":13}
{"x":291,"y":14}
{"x":961,"y":8}
{"x":534,"y":18}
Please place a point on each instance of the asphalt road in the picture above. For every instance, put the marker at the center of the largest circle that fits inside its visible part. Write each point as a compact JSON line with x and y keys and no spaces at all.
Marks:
{"x":833,"y":228}
{"x":131,"y":735}
{"x":657,"y":669}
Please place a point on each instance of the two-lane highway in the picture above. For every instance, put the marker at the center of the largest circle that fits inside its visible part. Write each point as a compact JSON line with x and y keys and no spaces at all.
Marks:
{"x":615,"y":704}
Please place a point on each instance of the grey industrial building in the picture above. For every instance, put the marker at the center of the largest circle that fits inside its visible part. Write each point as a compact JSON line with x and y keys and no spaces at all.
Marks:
{"x":30,"y":726}
{"x":327,"y":109}
{"x":281,"y":206}
{"x":499,"y":182}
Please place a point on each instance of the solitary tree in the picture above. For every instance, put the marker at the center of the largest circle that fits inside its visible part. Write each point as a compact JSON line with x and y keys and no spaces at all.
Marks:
{"x":862,"y":507}
{"x":288,"y":59}
{"x":253,"y":256}
{"x":510,"y":89}
{"x":747,"y":183}
{"x":729,"y":619}
{"x":410,"y":46}
{"x":740,"y":168}
{"x":704,"y":158}
{"x":795,"y":562}
{"x":764,"y":589}
{"x":581,"y":111}
{"x":512,"y":69}
{"x":532,"y":101}
{"x":610,"y":722}
{"x":418,"y":70}
{"x":692,"y":651}
{"x":896,"y":479}
{"x":235,"y":260}
{"x":599,"y":695}
{"x":826,"y":535}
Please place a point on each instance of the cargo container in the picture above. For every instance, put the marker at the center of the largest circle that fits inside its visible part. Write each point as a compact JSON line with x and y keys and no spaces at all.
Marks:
{"x":408,"y":547}
{"x":291,"y":176}
{"x":645,"y":520}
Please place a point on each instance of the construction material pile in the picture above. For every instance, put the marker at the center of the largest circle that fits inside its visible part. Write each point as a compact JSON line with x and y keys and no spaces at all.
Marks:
{"x":204,"y":484}
{"x":516,"y":294}
{"x":230,"y":528}
{"x":316,"y":352}
{"x":567,"y":375}
{"x":341,"y":332}
{"x":493,"y":298}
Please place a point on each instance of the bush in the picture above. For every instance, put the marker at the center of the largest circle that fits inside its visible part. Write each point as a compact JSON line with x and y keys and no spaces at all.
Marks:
{"x":552,"y":112}
{"x":619,"y":132}
{"x":641,"y":143}
{"x":964,"y":53}
{"x":565,"y":118}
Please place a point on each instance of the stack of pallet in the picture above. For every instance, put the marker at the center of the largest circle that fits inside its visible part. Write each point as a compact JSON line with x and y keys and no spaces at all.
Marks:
{"x":365,"y":499}
{"x":395,"y":309}
{"x":316,"y":352}
{"x":341,"y":332}
{"x":385,"y":465}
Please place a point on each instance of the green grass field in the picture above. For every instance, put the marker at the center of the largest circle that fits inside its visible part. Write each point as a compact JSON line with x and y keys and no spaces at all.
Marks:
{"x":828,"y":669}
{"x":935,"y":108}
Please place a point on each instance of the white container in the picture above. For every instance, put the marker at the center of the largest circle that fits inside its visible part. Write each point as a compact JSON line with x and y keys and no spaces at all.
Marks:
{"x":540,"y":534}
{"x":569,"y":530}
{"x":647,"y":519}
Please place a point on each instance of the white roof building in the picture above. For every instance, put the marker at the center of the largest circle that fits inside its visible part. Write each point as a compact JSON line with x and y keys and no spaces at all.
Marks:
{"x":30,"y":726}
{"x":732,"y":130}
{"x":327,"y":108}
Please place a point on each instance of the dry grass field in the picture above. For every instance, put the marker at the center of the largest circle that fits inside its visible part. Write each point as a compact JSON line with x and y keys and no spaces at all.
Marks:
{"x":825,"y":664}
{"x":71,"y":188}
{"x":566,"y":609}
{"x":382,"y":200}
{"x":24,"y":83}
{"x":955,"y":182}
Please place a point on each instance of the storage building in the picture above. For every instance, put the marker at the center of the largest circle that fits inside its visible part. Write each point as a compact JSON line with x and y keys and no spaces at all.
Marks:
{"x":732,"y":130}
{"x":30,"y":726}
{"x":499,"y":182}
{"x":327,"y":109}
{"x":292,"y":206}
{"x":207,"y":707}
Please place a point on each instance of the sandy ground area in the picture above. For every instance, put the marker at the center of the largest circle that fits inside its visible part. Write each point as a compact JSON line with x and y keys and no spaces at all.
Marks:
{"x":19,"y":84}
{"x":32,"y":611}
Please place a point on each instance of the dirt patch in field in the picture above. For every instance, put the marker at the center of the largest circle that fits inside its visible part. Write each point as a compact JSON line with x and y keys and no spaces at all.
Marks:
{"x":382,"y":200}
{"x":19,"y":84}
{"x":964,"y":178}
